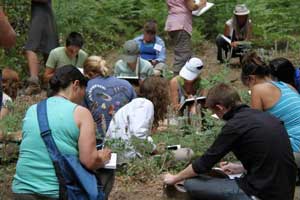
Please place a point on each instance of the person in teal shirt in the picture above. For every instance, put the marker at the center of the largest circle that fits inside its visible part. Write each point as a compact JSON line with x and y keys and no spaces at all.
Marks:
{"x":73,"y":131}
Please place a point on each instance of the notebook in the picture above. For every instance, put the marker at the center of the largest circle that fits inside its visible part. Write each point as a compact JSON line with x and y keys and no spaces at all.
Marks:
{"x":133,"y":80}
{"x":218,"y":172}
{"x":190,"y":101}
{"x":112,"y":164}
{"x":202,"y":10}
{"x":226,"y":38}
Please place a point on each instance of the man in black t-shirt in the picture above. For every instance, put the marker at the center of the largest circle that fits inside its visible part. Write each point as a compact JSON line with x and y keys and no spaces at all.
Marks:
{"x":258,"y":140}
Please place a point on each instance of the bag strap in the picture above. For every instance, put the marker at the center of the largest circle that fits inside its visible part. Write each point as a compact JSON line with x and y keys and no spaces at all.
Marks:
{"x":46,"y":132}
{"x":51,"y":146}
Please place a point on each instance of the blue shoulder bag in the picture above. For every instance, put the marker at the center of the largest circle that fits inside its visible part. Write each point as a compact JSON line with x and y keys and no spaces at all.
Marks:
{"x":75,"y":181}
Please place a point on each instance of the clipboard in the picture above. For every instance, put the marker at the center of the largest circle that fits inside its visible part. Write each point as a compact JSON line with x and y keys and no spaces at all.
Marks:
{"x":133,"y":80}
{"x":202,"y":10}
{"x":190,"y":101}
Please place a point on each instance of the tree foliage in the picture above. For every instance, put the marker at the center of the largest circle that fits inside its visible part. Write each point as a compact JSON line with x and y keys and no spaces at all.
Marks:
{"x":106,"y":24}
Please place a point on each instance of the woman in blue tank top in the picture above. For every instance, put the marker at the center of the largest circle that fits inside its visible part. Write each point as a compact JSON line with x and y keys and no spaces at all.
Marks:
{"x":73,"y":131}
{"x":278,"y":98}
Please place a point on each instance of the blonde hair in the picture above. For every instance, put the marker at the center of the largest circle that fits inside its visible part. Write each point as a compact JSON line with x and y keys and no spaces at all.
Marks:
{"x":95,"y":66}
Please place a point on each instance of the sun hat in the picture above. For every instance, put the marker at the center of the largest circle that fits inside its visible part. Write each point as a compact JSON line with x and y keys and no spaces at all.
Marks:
{"x":130,"y":51}
{"x":241,"y":9}
{"x":191,"y":69}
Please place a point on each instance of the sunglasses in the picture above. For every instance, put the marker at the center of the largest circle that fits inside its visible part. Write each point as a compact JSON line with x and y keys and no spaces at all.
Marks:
{"x":199,"y":67}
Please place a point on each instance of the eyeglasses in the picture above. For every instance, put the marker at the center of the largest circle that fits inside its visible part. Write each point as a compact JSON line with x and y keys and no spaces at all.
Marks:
{"x":150,"y":32}
{"x":200,"y":67}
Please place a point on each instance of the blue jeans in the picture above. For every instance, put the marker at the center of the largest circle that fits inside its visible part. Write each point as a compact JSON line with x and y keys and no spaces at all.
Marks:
{"x":209,"y":188}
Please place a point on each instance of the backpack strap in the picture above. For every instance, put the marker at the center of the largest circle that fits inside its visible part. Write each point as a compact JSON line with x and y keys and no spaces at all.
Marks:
{"x":50,"y":145}
{"x":46,"y":132}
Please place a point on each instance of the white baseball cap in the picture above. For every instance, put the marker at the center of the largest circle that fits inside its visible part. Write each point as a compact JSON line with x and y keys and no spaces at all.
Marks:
{"x":191,"y":69}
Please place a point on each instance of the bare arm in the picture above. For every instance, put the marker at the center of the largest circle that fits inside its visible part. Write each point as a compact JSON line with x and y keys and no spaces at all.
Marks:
{"x":184,"y":174}
{"x":227,"y":31}
{"x":174,"y":94}
{"x":191,"y":5}
{"x":249,"y":32}
{"x":88,"y":154}
{"x":3,"y":112}
{"x":256,"y":99}
{"x":7,"y":33}
{"x":49,"y":72}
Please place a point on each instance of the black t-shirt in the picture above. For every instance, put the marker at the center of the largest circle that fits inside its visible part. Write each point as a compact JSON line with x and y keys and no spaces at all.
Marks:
{"x":261,"y":143}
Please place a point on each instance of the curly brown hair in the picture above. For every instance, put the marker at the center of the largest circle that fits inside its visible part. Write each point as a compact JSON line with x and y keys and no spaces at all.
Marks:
{"x":156,"y":89}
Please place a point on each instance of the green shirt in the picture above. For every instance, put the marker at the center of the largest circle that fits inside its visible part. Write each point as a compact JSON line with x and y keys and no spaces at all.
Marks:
{"x":35,"y":172}
{"x":143,"y":69}
{"x":58,"y":58}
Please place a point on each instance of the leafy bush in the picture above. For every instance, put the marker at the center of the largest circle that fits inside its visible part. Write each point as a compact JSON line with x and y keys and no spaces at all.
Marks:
{"x":106,"y":24}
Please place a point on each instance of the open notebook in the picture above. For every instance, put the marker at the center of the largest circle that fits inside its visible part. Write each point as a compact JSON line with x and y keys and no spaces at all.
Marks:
{"x":112,"y":164}
{"x":203,"y":10}
{"x":218,"y":172}
{"x":190,"y":101}
{"x":133,"y":80}
{"x":226,"y":39}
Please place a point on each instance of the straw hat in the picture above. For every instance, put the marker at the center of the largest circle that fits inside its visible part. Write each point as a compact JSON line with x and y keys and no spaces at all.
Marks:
{"x":241,"y":9}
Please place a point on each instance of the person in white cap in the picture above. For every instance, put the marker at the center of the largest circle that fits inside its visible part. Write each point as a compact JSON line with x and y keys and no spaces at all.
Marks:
{"x":187,"y":83}
{"x":237,"y":29}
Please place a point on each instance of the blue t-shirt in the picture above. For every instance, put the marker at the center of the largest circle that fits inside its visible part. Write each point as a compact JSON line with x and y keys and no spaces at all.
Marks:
{"x":105,"y":96}
{"x":297,"y":79}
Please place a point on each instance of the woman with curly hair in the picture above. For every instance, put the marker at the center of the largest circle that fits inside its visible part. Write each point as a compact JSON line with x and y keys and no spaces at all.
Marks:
{"x":137,"y":118}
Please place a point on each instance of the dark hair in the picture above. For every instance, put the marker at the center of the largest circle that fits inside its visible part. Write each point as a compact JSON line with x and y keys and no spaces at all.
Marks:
{"x":283,"y":70}
{"x":156,"y":90}
{"x":63,"y":77}
{"x":74,"y":39}
{"x":224,"y":95}
{"x":252,"y":64}
{"x":150,"y":26}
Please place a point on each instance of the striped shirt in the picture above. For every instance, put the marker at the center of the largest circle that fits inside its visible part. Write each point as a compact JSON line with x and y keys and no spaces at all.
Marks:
{"x":287,"y":109}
